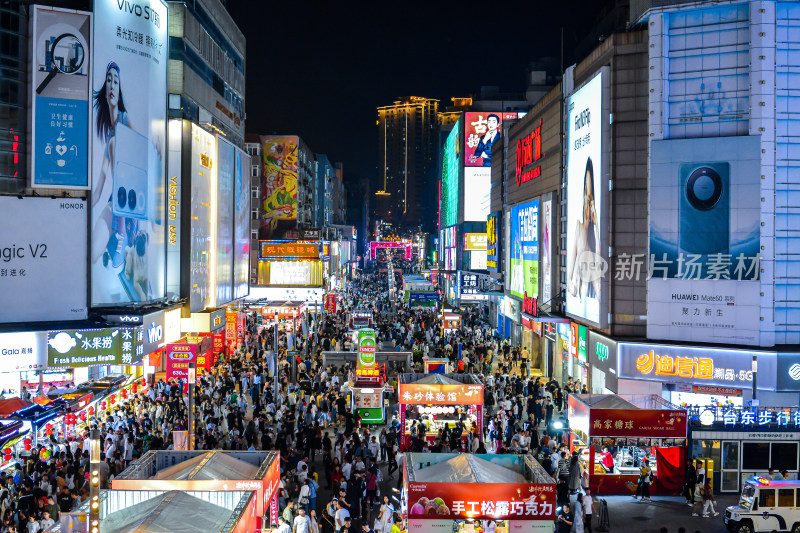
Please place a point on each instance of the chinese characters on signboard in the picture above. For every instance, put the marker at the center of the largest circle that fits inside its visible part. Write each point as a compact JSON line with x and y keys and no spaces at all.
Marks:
{"x":271,"y":249}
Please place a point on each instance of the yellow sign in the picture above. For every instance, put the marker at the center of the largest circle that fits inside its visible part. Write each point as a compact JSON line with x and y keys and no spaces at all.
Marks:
{"x":666,"y":365}
{"x":474,"y":241}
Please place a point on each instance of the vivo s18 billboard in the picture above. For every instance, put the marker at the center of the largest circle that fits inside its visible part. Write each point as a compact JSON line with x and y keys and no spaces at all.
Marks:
{"x":128,"y":123}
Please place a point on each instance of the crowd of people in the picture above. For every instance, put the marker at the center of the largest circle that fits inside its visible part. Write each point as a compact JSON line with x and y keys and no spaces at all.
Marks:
{"x":304,"y":414}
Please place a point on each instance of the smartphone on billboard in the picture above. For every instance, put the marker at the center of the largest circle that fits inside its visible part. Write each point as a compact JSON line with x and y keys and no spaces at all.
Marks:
{"x":705,"y":208}
{"x":130,"y":174}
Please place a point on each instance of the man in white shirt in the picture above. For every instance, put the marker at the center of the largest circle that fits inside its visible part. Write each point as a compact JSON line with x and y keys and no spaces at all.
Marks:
{"x":341,"y":515}
{"x":347,"y":469}
{"x":302,"y":523}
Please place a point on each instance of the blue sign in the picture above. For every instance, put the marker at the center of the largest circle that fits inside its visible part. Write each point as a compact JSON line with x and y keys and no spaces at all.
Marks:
{"x":60,"y":152}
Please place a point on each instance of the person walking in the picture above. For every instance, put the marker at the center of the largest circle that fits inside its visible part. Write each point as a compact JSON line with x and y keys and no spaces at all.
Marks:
{"x":691,"y":481}
{"x":708,"y":501}
{"x":587,"y":510}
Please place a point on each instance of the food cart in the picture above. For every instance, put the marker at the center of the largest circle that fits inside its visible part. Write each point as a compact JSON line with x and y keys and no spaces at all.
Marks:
{"x":439,"y":400}
{"x":476,"y":493}
{"x":450,"y":321}
{"x":628,"y":430}
{"x":215,"y":470}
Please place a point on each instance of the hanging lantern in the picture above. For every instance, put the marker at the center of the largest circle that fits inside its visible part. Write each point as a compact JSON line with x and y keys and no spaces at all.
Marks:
{"x":91,"y":411}
{"x":112,"y":400}
{"x":103,"y":406}
{"x":134,"y":387}
{"x":27,"y":443}
{"x":124,"y":394}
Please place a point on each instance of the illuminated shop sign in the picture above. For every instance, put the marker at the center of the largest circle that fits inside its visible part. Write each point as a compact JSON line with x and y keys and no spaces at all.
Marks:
{"x":529,"y":150}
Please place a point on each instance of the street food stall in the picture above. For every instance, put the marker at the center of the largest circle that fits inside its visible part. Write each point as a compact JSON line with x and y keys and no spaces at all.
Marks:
{"x":474,"y":493}
{"x":617,"y":434}
{"x":215,"y":470}
{"x":361,"y":318}
{"x":439,"y":401}
{"x":175,"y":511}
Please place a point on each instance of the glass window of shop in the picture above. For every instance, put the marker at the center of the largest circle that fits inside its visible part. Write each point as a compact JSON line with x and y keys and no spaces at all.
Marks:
{"x":563,"y":366}
{"x":623,"y":456}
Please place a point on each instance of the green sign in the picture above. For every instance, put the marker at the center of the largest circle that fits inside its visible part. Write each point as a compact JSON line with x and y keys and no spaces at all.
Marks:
{"x":89,"y":347}
{"x":451,"y":170}
{"x":366,"y":348}
{"x":582,"y":342}
{"x":601,"y":351}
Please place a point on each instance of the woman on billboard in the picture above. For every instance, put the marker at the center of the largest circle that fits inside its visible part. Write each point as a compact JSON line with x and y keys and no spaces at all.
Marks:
{"x":583,"y":275}
{"x":117,"y":239}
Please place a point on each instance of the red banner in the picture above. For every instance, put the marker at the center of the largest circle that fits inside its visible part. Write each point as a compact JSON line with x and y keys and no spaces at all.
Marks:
{"x":486,"y":501}
{"x":178,"y":358}
{"x":218,"y":346}
{"x":637,"y":423}
{"x":432,"y":394}
{"x":330,"y":303}
{"x":230,"y":332}
{"x":711,"y":389}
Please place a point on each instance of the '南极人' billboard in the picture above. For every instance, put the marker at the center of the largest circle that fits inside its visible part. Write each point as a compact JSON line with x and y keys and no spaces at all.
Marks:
{"x":203,"y":176}
{"x":60,"y":98}
{"x":42,"y":266}
{"x":278,"y":185}
{"x":524,"y":250}
{"x":705,"y":222}
{"x":128,"y":123}
{"x":241,"y":227}
{"x":585,"y":177}
{"x":226,"y":180}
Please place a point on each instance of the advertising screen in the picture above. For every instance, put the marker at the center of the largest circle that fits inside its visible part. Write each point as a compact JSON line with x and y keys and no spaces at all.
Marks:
{"x":42,"y":276}
{"x":60,"y":98}
{"x":294,"y":249}
{"x":278,"y":186}
{"x":87,"y":347}
{"x":23,"y":351}
{"x":585,"y":150}
{"x":203,"y":168}
{"x":788,"y":372}
{"x":705,"y":222}
{"x":524,"y":250}
{"x":448,"y":195}
{"x":477,"y":260}
{"x":477,"y":188}
{"x":241,"y":226}
{"x":493,"y":241}
{"x":481,"y":131}
{"x":128,"y":122}
{"x":366,"y":349}
{"x":546,"y":251}
{"x":179,"y":356}
{"x":226,"y":159}
{"x":290,"y":273}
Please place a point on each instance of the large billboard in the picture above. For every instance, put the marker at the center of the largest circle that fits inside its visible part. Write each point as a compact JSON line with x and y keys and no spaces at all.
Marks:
{"x":279,"y":185}
{"x":129,"y":83}
{"x":448,"y":187}
{"x":524,"y":250}
{"x":481,"y":131}
{"x":493,"y":240}
{"x":241,"y":226}
{"x":586,"y":147}
{"x":203,"y":168}
{"x":226,"y":161}
{"x":547,"y":219}
{"x":42,"y":259}
{"x":705,"y":216}
{"x":60,"y":98}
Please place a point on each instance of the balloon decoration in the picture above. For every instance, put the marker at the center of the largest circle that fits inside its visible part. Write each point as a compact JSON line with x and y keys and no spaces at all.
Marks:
{"x":45,"y":455}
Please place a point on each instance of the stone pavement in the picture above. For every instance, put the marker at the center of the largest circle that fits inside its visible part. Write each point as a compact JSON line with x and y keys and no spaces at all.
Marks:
{"x":630,"y":516}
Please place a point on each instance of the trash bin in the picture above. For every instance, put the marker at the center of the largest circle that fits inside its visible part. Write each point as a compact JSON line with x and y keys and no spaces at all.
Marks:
{"x":603,"y":523}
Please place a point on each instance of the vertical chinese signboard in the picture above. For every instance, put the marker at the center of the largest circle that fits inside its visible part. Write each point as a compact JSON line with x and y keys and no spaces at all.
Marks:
{"x":179,"y":356}
{"x":230,"y":332}
{"x":330,"y":303}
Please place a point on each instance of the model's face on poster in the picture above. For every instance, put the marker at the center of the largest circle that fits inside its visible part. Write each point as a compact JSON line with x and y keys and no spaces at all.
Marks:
{"x":112,"y":87}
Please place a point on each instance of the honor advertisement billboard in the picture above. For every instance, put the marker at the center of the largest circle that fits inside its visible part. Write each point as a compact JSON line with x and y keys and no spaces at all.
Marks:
{"x":524,"y":251}
{"x":128,"y":123}
{"x":481,"y":131}
{"x":705,"y":215}
{"x":43,"y":253}
{"x":587,"y":178}
{"x":60,"y":98}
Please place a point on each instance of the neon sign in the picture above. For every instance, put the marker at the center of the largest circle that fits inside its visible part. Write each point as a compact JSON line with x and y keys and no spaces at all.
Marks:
{"x":529,"y":150}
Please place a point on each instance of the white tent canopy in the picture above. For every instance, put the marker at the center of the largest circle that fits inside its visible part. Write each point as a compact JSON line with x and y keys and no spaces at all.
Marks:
{"x":209,"y":466}
{"x":464,"y":468}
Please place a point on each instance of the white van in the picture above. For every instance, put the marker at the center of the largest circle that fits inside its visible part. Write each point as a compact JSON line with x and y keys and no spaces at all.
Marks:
{"x":766,"y":505}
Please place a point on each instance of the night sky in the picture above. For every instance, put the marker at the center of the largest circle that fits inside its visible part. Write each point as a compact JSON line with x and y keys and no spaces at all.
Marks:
{"x":320,"y":69}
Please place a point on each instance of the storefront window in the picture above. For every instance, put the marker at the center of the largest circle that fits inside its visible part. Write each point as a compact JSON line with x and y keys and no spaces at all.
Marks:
{"x":755,"y":456}
{"x":625,"y":456}
{"x":707,"y":449}
{"x":784,"y":456}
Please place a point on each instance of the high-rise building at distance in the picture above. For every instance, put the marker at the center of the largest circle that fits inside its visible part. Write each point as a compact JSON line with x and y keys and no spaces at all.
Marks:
{"x":407,"y":143}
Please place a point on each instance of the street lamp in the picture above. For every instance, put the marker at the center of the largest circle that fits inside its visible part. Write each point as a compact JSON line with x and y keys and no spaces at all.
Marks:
{"x":94,"y":485}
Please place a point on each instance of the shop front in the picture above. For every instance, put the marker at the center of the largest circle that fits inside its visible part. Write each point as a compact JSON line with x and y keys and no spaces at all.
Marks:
{"x":23,"y":355}
{"x":616,"y":435}
{"x":563,"y":366}
{"x":700,"y":376}
{"x":477,"y":493}
{"x":508,"y":317}
{"x":579,"y":340}
{"x":602,"y":354}
{"x":436,"y":402}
